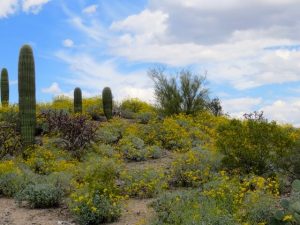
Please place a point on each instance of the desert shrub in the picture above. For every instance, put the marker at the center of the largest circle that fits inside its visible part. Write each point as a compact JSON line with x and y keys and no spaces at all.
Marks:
{"x":143,"y":183}
{"x":11,"y":183}
{"x":290,"y":208}
{"x":189,"y":207}
{"x":194,"y":168}
{"x":186,"y":94}
{"x":61,"y":180}
{"x":94,"y":207}
{"x":145,"y":118}
{"x":150,"y":133}
{"x":40,"y":196}
{"x":155,"y":152}
{"x":10,"y":141}
{"x":253,"y":145}
{"x":45,"y":161}
{"x":105,"y":150}
{"x":9,"y":166}
{"x":10,"y":115}
{"x":52,"y":119}
{"x":176,"y":134}
{"x":62,"y":103}
{"x":75,"y":131}
{"x":136,"y":106}
{"x":111,"y":132}
{"x":93,"y":107}
{"x":96,"y":199}
{"x":224,"y":200}
{"x":133,"y":148}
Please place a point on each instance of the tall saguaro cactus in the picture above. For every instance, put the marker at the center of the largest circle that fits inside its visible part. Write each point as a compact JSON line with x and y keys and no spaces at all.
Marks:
{"x":107,"y":102}
{"x":77,"y":100}
{"x":27,"y":101}
{"x":4,"y":87}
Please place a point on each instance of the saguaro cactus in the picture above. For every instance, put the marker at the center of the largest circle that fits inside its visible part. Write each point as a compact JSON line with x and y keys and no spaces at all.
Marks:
{"x":27,"y":101}
{"x":4,"y":87}
{"x":107,"y":102}
{"x":77,"y":100}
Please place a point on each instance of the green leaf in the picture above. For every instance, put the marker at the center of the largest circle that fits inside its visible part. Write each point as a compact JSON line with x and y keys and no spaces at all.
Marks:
{"x":279,"y":215}
{"x":296,"y":185}
{"x":296,"y":207}
{"x":285,"y":203}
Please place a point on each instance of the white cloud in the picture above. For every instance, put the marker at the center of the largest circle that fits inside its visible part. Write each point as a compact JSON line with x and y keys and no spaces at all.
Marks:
{"x":33,"y":6}
{"x":208,"y":34}
{"x":54,"y":89}
{"x":237,"y":107}
{"x":284,"y":111}
{"x":8,"y":7}
{"x":93,"y":75}
{"x":68,"y":43}
{"x":90,"y":9}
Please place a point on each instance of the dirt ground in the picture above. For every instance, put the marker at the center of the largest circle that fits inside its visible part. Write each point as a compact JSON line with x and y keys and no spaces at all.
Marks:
{"x":136,"y":213}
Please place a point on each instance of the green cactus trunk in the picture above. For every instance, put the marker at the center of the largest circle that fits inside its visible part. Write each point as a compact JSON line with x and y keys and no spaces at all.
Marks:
{"x":107,"y":102}
{"x":77,"y":100}
{"x":27,"y":101}
{"x":4,"y":88}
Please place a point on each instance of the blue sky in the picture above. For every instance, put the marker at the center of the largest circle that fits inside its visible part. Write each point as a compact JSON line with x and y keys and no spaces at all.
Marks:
{"x":250,"y":49}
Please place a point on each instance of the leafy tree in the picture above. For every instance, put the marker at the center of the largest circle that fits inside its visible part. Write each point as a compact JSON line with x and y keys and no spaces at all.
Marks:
{"x":215,"y":107}
{"x":184,"y":93}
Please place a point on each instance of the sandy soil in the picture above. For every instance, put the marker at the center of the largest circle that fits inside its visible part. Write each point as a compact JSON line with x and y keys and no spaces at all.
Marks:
{"x":136,"y":212}
{"x":11,"y":214}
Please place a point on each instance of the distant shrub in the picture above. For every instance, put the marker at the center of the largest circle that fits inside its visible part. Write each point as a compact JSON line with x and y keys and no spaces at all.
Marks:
{"x":75,"y":131}
{"x":10,"y":141}
{"x":44,"y":161}
{"x":175,"y":134}
{"x":133,"y":148}
{"x":112,"y":132}
{"x":254,"y":145}
{"x":143,"y":183}
{"x":95,"y":207}
{"x":40,"y":196}
{"x":155,"y":152}
{"x":11,"y":183}
{"x":224,"y":200}
{"x":194,"y":168}
{"x":135,"y":105}
{"x":96,"y":199}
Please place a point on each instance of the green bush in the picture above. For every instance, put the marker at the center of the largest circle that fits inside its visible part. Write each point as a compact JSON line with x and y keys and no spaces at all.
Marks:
{"x":133,"y":148}
{"x":254,"y":145}
{"x":194,"y":168}
{"x":40,"y":196}
{"x":95,"y":208}
{"x":11,"y":183}
{"x":143,"y":183}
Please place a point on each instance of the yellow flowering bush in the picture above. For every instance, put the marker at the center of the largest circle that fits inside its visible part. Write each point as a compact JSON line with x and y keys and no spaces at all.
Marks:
{"x":9,"y":166}
{"x":95,"y":206}
{"x":251,"y":200}
{"x":45,"y":161}
{"x":176,"y":134}
{"x":254,"y":145}
{"x":143,"y":183}
{"x":136,"y":106}
{"x":194,"y":167}
{"x":97,"y":198}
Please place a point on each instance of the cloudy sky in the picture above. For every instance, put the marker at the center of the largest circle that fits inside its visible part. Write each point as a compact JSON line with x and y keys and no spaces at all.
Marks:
{"x":250,"y":49}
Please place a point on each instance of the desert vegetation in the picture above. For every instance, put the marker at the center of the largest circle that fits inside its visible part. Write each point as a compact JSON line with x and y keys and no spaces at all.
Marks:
{"x":195,"y":164}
